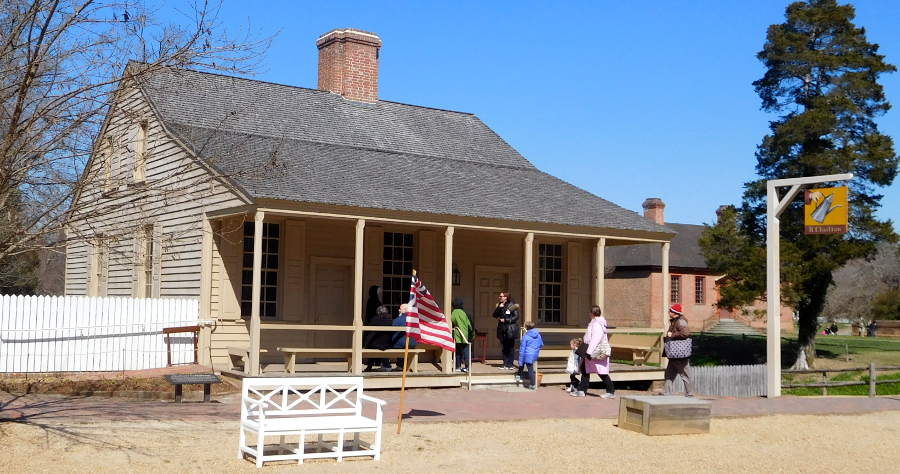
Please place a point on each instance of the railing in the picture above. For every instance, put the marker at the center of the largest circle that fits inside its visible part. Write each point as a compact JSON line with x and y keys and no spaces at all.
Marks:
{"x":825,"y":384}
{"x":41,"y":334}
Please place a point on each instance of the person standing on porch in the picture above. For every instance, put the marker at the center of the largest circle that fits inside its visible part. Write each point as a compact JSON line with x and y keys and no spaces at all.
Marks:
{"x":678,"y":330}
{"x":463,"y":333}
{"x":507,"y":315}
{"x":371,"y":308}
{"x":593,"y":336}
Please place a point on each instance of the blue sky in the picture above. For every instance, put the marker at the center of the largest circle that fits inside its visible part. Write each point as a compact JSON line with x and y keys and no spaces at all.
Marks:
{"x":628,"y":99}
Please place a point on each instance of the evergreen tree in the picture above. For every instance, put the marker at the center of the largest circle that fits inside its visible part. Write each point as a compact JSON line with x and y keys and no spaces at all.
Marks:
{"x":822,"y":80}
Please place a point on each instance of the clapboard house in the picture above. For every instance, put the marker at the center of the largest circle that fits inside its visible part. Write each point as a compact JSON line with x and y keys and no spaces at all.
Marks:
{"x":278,"y":207}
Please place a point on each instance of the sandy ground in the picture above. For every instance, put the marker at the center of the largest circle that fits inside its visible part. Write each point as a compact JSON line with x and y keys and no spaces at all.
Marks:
{"x":779,"y":443}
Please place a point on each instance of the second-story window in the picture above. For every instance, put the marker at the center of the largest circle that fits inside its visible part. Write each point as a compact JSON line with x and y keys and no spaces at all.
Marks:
{"x":675,"y":296}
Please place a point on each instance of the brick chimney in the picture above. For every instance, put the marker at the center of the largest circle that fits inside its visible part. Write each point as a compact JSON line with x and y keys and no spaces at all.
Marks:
{"x":654,"y":209}
{"x":348,"y":64}
{"x":721,"y":210}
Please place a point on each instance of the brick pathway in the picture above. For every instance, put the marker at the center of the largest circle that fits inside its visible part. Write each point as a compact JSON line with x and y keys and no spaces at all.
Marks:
{"x":456,"y":404}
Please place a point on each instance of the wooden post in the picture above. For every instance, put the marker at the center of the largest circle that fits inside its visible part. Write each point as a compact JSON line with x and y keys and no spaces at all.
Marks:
{"x":872,"y":379}
{"x":600,"y":275}
{"x":255,"y":298}
{"x":206,"y":256}
{"x":447,"y":356}
{"x":824,"y":379}
{"x":666,"y":297}
{"x":527,"y":282}
{"x":357,"y":344}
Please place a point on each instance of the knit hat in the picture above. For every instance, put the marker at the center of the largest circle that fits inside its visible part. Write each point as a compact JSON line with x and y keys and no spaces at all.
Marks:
{"x":676,"y":308}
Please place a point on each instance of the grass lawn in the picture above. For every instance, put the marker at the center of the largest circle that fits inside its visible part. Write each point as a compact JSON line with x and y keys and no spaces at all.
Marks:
{"x":832,"y":352}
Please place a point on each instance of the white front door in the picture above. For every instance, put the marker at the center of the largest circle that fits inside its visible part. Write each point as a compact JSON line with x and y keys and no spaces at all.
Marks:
{"x":332,"y":302}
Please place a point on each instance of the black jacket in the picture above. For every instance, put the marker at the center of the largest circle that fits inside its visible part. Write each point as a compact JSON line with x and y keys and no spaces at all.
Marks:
{"x":379,"y":339}
{"x":508,"y":329}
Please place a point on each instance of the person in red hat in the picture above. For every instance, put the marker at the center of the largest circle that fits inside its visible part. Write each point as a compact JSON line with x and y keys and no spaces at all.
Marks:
{"x":678,"y":352}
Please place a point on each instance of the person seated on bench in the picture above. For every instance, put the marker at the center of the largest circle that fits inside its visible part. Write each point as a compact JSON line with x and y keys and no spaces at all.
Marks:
{"x":380,"y":340}
{"x":400,"y":337}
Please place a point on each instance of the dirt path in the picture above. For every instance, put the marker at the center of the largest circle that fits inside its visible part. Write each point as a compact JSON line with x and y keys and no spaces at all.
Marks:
{"x":778,"y":443}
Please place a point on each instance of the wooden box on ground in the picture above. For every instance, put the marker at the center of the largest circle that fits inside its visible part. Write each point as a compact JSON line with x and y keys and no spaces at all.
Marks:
{"x":664,"y":415}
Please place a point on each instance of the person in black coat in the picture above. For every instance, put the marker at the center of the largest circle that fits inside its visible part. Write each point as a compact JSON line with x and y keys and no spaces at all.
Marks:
{"x":507,"y":315}
{"x":371,"y":307}
{"x":380,"y":340}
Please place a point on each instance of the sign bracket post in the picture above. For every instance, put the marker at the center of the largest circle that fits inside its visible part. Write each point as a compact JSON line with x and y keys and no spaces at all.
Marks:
{"x":774,"y":208}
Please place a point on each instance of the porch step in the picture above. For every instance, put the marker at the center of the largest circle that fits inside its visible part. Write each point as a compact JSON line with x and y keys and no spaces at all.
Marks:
{"x":490,"y":382}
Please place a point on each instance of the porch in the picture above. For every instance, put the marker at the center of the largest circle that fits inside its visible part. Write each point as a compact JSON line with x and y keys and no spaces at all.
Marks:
{"x":304,"y":283}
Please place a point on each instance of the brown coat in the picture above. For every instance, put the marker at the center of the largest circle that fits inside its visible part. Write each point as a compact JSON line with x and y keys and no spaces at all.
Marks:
{"x":678,"y":327}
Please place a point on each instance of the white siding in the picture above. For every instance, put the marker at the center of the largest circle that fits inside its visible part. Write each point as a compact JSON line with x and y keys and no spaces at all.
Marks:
{"x":177,"y":192}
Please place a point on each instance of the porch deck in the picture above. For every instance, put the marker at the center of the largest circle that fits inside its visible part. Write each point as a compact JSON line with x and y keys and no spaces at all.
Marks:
{"x":430,"y":375}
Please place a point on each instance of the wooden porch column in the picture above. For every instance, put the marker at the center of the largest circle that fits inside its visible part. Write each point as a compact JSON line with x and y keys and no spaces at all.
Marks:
{"x":666,"y":297}
{"x":205,"y":291}
{"x":358,"y":297}
{"x":254,"y":301}
{"x":527,"y":298}
{"x":447,"y":357}
{"x":600,"y":275}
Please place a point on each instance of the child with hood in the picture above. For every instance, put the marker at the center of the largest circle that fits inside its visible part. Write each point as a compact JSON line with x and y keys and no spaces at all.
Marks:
{"x":529,"y":349}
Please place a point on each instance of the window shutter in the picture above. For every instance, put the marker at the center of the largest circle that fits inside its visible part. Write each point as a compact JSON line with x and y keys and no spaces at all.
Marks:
{"x":294,"y":247}
{"x":136,"y":263}
{"x":157,"y":258}
{"x":91,"y":269}
{"x":426,"y":261}
{"x":373,"y":248}
{"x":573,"y":282}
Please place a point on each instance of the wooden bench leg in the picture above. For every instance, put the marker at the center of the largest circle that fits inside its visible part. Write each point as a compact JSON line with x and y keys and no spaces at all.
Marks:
{"x":414,"y":363}
{"x":289,"y":360}
{"x":206,"y":392}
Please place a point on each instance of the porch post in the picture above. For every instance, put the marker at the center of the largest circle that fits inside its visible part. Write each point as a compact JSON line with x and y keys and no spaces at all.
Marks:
{"x":357,"y":344}
{"x":205,"y":291}
{"x":447,"y":357}
{"x":254,"y":301}
{"x":600,"y":275}
{"x":527,"y":298}
{"x":666,"y":297}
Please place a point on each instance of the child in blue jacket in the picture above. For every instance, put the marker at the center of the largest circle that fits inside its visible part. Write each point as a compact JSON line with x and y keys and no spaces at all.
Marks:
{"x":528,"y":352}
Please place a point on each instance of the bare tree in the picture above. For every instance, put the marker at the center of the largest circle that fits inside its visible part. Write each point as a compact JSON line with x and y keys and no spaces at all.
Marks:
{"x":858,"y":282}
{"x":61,"y":62}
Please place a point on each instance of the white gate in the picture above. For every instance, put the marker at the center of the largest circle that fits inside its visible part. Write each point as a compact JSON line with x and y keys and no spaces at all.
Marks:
{"x":92,"y":334}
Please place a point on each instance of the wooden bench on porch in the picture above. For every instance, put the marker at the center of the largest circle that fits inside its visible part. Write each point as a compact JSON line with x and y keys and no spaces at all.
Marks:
{"x":240,"y":357}
{"x":638,"y":347}
{"x":291,"y":353}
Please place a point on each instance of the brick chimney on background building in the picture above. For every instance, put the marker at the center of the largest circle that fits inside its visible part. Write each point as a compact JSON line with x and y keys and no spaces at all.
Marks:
{"x":654,"y":209}
{"x":348,"y":64}
{"x":719,"y":211}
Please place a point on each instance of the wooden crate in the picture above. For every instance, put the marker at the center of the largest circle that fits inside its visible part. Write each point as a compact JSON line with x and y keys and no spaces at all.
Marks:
{"x":662,"y":415}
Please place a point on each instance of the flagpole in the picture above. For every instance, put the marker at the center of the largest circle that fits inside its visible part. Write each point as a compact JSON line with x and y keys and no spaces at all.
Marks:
{"x":403,"y":384}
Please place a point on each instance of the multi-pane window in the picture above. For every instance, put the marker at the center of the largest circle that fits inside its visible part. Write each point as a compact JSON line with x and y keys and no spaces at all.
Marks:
{"x":268,"y":294}
{"x":397,"y":269}
{"x":675,"y":296}
{"x":700,"y":290}
{"x":549,"y":283}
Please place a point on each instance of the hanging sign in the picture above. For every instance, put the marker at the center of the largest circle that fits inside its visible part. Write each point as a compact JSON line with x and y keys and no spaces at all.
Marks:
{"x":825,"y":211}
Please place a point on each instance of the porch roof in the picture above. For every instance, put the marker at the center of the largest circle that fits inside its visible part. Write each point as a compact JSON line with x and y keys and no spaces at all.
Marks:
{"x":290,"y":143}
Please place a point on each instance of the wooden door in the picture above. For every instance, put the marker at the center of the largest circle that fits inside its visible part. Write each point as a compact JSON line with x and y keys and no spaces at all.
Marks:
{"x":488,"y":285}
{"x":332,"y":302}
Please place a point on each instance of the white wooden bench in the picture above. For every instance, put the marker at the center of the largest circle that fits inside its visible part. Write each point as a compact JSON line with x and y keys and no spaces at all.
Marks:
{"x":306,"y":406}
{"x":291,"y":354}
{"x":638,"y":346}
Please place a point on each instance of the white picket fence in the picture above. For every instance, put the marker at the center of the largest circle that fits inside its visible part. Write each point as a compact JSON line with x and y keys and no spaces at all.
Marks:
{"x":727,"y":380}
{"x":92,"y":334}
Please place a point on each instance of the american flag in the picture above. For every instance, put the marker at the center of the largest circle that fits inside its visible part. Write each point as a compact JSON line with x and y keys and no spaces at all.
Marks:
{"x":425,"y":320}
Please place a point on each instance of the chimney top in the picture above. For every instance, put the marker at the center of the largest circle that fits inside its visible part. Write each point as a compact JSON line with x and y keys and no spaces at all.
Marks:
{"x":654,"y":210}
{"x":348,"y":64}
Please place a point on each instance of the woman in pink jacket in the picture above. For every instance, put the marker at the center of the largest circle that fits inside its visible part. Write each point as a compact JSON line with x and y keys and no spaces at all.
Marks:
{"x":596,"y":332}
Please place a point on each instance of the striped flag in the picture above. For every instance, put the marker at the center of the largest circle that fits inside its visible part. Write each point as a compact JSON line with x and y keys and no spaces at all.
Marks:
{"x":425,"y":320}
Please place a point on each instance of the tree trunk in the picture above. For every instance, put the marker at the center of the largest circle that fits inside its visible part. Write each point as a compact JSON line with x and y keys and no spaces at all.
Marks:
{"x":808,"y":325}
